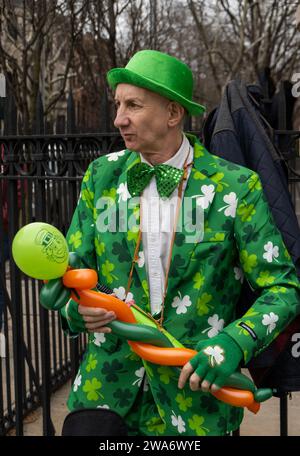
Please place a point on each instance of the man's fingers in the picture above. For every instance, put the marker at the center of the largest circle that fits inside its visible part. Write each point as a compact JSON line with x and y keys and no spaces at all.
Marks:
{"x":195,"y":382}
{"x":99,"y":319}
{"x":215,"y":387}
{"x":98,"y":323}
{"x":218,"y":383}
{"x":207,"y":381}
{"x":205,"y":385}
{"x":101,"y":329}
{"x":184,"y":374}
{"x":94,"y":312}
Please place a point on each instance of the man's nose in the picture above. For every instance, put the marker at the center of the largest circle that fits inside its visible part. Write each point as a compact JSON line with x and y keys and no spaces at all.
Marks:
{"x":121,"y":119}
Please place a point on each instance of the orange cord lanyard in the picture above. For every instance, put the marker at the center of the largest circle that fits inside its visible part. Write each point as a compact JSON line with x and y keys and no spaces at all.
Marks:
{"x":159,"y":322}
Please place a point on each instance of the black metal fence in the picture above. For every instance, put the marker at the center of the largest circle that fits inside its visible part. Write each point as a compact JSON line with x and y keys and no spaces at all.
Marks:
{"x":40,"y":181}
{"x":40,"y":178}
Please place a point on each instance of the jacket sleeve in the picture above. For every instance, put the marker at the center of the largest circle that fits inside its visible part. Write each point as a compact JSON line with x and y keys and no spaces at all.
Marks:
{"x":269,"y":270}
{"x":80,"y":236}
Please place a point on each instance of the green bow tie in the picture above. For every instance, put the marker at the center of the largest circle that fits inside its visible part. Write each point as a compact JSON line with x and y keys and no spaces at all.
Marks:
{"x":167,"y":178}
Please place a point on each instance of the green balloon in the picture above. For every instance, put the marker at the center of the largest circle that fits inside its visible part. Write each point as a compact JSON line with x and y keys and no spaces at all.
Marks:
{"x":41,"y":251}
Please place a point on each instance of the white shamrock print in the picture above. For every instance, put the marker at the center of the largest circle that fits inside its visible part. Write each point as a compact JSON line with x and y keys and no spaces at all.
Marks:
{"x":121,"y":293}
{"x":181,"y":304}
{"x":140,"y":375}
{"x":269,"y":320}
{"x":99,"y":338}
{"x":141,"y":260}
{"x":215,"y":355}
{"x":123,"y":192}
{"x":208,"y":193}
{"x":77,"y":381}
{"x":115,"y":155}
{"x":238,"y":274}
{"x":231,"y":204}
{"x":271,"y":252}
{"x":215,"y":327}
{"x":178,"y":422}
{"x":104,"y":406}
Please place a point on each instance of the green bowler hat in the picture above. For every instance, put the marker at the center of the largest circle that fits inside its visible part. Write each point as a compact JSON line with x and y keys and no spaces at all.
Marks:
{"x":160,"y":73}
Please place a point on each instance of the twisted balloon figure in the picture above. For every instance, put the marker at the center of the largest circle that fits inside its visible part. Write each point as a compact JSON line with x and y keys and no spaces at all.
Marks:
{"x":41,"y":252}
{"x":153,"y":343}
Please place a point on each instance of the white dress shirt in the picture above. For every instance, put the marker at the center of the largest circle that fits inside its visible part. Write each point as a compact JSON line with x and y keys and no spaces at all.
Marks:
{"x":158,"y":218}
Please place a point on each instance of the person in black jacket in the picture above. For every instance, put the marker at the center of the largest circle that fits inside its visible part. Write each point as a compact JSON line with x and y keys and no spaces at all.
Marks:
{"x":238,"y":132}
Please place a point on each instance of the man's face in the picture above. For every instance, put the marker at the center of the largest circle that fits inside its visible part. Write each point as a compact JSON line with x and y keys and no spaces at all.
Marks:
{"x":142,"y":118}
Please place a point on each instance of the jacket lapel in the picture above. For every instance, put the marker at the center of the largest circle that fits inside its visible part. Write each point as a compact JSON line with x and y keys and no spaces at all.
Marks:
{"x":129,"y":208}
{"x":198,"y":197}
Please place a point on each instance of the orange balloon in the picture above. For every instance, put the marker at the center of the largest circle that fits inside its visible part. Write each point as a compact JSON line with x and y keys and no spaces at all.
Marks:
{"x":254,"y":407}
{"x":161,"y":355}
{"x":238,"y":398}
{"x":234,"y":397}
{"x":91,"y":298}
{"x":82,"y":279}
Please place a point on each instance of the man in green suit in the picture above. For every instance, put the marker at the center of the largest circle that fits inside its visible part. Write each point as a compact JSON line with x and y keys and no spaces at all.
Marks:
{"x":187,"y":275}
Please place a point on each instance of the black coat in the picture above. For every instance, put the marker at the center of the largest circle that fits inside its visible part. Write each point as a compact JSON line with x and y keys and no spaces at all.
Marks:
{"x":237,"y":131}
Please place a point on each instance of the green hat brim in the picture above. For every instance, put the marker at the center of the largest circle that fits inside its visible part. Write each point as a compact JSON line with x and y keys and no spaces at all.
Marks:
{"x":122,"y":75}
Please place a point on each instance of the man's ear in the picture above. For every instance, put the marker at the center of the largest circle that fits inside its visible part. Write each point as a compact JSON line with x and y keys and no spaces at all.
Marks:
{"x":176,"y":114}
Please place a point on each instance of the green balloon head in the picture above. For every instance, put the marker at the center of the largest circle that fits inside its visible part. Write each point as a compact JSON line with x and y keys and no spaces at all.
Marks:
{"x":41,"y":251}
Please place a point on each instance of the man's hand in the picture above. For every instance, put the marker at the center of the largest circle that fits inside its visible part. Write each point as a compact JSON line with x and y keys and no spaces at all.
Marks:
{"x":55,"y":296}
{"x":95,"y":319}
{"x":218,"y":358}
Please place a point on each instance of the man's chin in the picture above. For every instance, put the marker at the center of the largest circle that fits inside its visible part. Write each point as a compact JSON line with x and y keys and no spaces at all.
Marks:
{"x":130,"y":144}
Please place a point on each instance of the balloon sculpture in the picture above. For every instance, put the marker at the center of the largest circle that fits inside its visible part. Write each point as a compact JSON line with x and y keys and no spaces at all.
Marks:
{"x":41,"y":252}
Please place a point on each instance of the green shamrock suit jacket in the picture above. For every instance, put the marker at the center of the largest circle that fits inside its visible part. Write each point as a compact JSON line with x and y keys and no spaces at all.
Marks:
{"x":240,"y":242}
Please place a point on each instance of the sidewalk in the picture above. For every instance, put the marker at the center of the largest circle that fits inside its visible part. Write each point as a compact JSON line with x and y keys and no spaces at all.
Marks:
{"x":265,"y":423}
